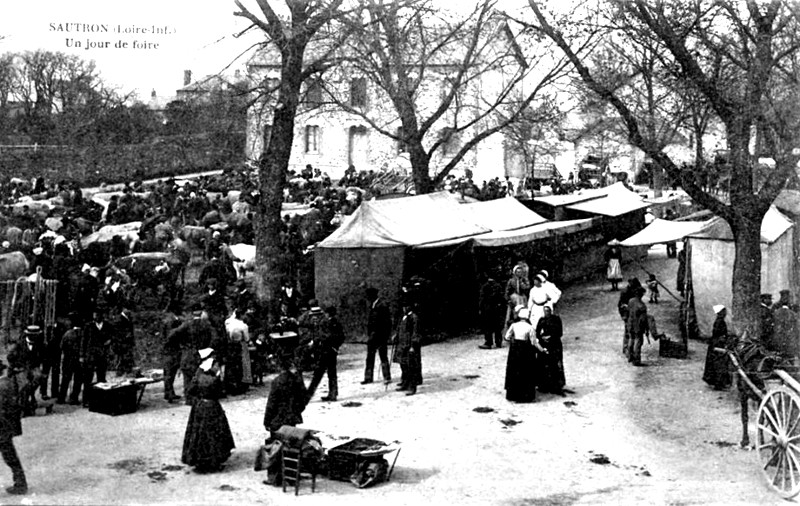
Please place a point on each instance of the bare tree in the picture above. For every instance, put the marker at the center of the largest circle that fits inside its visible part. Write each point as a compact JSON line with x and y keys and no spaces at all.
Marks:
{"x":742,"y":59}
{"x":443,"y":83}
{"x":291,"y":37}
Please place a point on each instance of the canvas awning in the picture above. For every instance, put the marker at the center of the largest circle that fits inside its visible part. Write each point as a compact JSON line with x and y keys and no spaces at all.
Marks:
{"x":519,"y":236}
{"x":502,"y":214}
{"x":527,"y":234}
{"x":773,"y":226}
{"x":661,"y":231}
{"x":408,"y":221}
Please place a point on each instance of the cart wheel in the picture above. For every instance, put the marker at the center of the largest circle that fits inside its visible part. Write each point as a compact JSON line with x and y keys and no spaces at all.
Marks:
{"x":778,"y":440}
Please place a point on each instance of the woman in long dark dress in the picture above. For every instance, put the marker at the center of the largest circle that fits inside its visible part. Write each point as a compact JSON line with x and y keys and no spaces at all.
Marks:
{"x":716,"y":372}
{"x":208,"y":441}
{"x":520,"y":382}
{"x":551,"y":364}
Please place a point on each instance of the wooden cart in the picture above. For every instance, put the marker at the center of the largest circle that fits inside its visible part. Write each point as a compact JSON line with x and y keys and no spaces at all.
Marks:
{"x":777,"y":422}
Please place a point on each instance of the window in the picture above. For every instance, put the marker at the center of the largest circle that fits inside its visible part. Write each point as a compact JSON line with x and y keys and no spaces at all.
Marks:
{"x":314,"y":93}
{"x":451,"y":140}
{"x":358,"y":92}
{"x":312,"y":139}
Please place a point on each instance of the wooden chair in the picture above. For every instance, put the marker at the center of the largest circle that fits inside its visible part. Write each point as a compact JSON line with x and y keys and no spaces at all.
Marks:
{"x":292,"y":469}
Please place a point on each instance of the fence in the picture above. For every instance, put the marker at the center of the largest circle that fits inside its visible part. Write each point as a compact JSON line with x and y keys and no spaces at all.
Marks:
{"x":27,"y":302}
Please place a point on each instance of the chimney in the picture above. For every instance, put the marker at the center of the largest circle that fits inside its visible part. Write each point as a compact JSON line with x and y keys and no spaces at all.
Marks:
{"x":153,"y":93}
{"x":187,"y":77}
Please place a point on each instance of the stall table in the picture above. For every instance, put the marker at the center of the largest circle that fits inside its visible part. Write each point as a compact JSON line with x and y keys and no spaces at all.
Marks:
{"x":119,"y":398}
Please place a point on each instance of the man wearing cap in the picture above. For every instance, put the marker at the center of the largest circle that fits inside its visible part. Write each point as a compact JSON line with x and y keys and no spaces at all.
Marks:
{"x":11,"y":426}
{"x":716,"y":372}
{"x":124,"y":343}
{"x":379,"y":328}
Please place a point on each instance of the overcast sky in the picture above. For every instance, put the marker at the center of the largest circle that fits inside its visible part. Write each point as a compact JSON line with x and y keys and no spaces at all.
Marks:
{"x":199,"y":37}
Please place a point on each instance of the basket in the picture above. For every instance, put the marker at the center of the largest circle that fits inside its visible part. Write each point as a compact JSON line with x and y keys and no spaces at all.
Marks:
{"x":343,"y":460}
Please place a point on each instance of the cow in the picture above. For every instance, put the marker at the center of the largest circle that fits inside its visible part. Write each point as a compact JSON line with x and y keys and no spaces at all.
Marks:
{"x":162,"y":273}
{"x":195,"y":236}
{"x":13,"y":265}
{"x":246,"y":253}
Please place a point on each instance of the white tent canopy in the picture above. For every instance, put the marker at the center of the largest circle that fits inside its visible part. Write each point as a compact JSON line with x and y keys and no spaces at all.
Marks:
{"x":661,"y":231}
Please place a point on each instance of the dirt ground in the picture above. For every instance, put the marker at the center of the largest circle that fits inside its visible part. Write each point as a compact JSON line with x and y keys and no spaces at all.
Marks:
{"x":649,"y":435}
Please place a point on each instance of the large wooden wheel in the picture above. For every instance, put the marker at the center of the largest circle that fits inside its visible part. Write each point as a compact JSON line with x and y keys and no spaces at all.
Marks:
{"x":778,"y":440}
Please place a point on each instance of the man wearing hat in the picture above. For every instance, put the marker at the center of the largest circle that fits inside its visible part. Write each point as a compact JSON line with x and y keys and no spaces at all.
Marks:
{"x":95,"y":344}
{"x":71,"y":365}
{"x":193,"y":335}
{"x":11,"y":426}
{"x":787,"y":327}
{"x":124,"y":343}
{"x":171,"y":351}
{"x":379,"y":328}
{"x":638,"y":326}
{"x":25,"y":362}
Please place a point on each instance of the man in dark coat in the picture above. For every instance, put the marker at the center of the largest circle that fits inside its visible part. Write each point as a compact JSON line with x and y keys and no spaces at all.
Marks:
{"x":171,"y":351}
{"x":409,"y":351}
{"x":328,"y":337}
{"x":71,"y":365}
{"x":638,"y":325}
{"x":11,"y":426}
{"x":786,"y":330}
{"x":287,"y":398}
{"x":492,"y":307}
{"x":124,"y":343}
{"x":25,"y":363}
{"x":622,"y":307}
{"x":51,"y":359}
{"x":213,"y":303}
{"x":97,"y":336}
{"x":379,"y":328}
{"x":193,"y":336}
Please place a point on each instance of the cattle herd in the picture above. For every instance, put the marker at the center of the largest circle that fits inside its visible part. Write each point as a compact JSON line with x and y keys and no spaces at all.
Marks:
{"x":130,"y":245}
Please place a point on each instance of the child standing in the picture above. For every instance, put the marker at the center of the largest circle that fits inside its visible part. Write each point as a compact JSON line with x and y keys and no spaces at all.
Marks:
{"x":652,"y":285}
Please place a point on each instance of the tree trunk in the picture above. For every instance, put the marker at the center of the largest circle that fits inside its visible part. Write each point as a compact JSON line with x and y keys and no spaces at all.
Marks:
{"x":273,"y":168}
{"x":419,"y":169}
{"x":746,"y":283}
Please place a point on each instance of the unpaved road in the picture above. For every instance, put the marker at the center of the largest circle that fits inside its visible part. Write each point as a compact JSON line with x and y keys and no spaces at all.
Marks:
{"x":650,"y":435}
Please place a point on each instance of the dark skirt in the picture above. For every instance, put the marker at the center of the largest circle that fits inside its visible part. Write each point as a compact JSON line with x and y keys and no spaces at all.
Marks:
{"x":551,"y":367}
{"x":208,"y":441}
{"x":521,"y":372}
{"x":716,"y":373}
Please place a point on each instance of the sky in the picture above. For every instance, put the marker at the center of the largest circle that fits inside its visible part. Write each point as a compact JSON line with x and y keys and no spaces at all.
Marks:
{"x":143,"y":45}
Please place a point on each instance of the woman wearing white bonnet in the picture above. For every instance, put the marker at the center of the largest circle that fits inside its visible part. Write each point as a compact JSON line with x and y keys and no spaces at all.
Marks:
{"x":716,"y":372}
{"x":520,"y":383}
{"x":208,"y":441}
{"x":538,"y":298}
